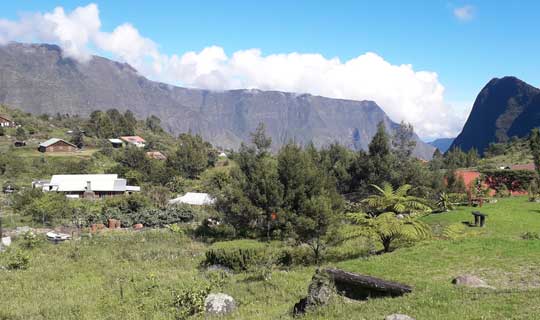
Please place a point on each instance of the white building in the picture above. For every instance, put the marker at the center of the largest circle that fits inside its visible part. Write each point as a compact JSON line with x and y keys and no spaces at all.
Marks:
{"x":194,"y":198}
{"x":86,"y":185}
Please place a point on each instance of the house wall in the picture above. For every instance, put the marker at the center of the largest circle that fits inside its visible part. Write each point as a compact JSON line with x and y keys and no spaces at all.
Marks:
{"x":60,"y":146}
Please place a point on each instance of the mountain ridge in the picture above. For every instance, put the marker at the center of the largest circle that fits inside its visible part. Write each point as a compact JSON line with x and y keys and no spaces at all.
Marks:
{"x":505,"y":107}
{"x":38,"y":79}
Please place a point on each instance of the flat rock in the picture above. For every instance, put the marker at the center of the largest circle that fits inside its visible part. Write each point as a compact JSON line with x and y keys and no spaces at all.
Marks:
{"x":219,"y":304}
{"x":397,"y":316}
{"x":471,"y":281}
{"x":218,"y":268}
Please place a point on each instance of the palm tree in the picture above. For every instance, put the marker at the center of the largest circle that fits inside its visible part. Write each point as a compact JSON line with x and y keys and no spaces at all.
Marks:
{"x":396,"y":201}
{"x":387,"y":227}
{"x":443,"y":203}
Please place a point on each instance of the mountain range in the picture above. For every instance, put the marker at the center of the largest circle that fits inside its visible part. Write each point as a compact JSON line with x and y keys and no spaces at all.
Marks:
{"x":443,"y":144}
{"x":504,"y":108}
{"x":38,"y":79}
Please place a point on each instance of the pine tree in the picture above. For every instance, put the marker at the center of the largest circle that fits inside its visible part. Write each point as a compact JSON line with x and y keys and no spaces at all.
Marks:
{"x":534,"y":144}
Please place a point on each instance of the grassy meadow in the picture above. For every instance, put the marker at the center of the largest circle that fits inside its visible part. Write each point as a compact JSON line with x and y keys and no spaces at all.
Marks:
{"x":135,"y":275}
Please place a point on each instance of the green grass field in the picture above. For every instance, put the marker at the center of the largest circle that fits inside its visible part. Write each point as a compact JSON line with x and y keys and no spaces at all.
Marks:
{"x":122,"y":275}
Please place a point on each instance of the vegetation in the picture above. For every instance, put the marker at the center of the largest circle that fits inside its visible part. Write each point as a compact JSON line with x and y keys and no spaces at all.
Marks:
{"x":292,"y":210}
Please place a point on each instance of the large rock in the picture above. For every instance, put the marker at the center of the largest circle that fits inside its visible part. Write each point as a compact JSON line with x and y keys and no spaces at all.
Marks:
{"x":397,"y":316}
{"x":471,"y":281}
{"x":219,"y":304}
{"x":320,"y":291}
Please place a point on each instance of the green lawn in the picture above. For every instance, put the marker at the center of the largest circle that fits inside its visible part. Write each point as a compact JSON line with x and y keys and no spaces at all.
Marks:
{"x":131,"y":276}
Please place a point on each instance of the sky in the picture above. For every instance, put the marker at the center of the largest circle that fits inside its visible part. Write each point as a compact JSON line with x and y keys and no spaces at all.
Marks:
{"x":423,"y":62}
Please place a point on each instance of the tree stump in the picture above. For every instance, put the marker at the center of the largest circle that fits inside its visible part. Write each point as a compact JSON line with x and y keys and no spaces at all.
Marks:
{"x":360,"y":287}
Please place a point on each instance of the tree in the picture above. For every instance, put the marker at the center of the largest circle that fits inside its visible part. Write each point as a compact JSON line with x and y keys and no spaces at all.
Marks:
{"x":192,"y":156}
{"x":20,"y":133}
{"x":317,"y":225}
{"x":396,"y":201}
{"x":154,"y":124}
{"x":77,"y":138}
{"x":379,"y":145}
{"x":253,"y":198}
{"x":534,"y":144}
{"x":472,"y":157}
{"x":403,"y":140}
{"x":388,"y":228}
{"x":261,"y":141}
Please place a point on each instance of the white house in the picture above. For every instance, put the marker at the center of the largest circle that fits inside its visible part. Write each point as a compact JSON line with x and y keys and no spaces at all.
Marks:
{"x":86,"y":185}
{"x":194,"y":198}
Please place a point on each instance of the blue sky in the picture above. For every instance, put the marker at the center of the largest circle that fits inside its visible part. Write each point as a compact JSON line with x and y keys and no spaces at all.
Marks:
{"x":493,"y":39}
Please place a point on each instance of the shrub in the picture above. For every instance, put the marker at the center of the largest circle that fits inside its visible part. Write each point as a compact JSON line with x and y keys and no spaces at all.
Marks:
{"x":212,"y":229}
{"x":30,"y":240}
{"x":241,"y":255}
{"x":294,"y":256}
{"x":188,"y":302}
{"x":503,"y":191}
{"x":529,"y":235}
{"x":153,"y":217}
{"x":16,"y":260}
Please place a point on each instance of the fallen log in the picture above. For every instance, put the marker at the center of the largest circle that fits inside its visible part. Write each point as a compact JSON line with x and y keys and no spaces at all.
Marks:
{"x":359,"y":287}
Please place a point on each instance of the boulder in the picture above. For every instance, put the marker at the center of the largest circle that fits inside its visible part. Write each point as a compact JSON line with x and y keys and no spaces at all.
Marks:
{"x":219,"y":304}
{"x":6,"y":241}
{"x":471,"y":281}
{"x":397,"y":316}
{"x":320,"y":291}
{"x":138,"y":226}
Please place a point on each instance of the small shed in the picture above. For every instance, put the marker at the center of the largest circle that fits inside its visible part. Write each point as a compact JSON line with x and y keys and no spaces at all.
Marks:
{"x":194,"y":198}
{"x":5,"y":121}
{"x":56,"y":145}
{"x":116,"y":143}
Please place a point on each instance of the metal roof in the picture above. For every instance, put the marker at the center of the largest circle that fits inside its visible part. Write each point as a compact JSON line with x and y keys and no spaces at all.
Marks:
{"x":52,"y":141}
{"x":116,"y":141}
{"x":98,"y":182}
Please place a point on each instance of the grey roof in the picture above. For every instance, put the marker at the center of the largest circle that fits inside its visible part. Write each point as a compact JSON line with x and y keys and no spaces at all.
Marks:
{"x":52,"y":141}
{"x":98,"y":182}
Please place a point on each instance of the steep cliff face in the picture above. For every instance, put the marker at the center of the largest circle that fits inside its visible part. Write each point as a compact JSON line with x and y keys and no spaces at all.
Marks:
{"x":37,"y":79}
{"x":504,"y":108}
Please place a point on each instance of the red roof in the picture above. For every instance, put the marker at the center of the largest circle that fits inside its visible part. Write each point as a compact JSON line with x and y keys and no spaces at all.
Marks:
{"x":528,"y":166}
{"x":133,"y":139}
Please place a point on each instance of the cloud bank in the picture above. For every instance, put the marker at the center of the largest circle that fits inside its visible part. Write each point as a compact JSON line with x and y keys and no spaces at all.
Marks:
{"x":405,"y":94}
{"x":465,"y":13}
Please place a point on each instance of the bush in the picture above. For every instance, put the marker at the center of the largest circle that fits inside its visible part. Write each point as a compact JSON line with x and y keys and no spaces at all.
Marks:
{"x":159,"y":218}
{"x":242,"y":255}
{"x":213,"y":229}
{"x":188,"y":302}
{"x":530,"y":236}
{"x":30,"y":240}
{"x":15,"y":260}
{"x":294,"y":256}
{"x":503,"y":191}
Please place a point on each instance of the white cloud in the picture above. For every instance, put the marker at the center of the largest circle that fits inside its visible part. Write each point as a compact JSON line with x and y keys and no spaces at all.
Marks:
{"x":404,"y":93}
{"x":465,"y":13}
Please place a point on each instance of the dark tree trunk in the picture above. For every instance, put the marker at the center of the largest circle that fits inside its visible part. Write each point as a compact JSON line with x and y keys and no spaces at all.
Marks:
{"x":357,"y":286}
